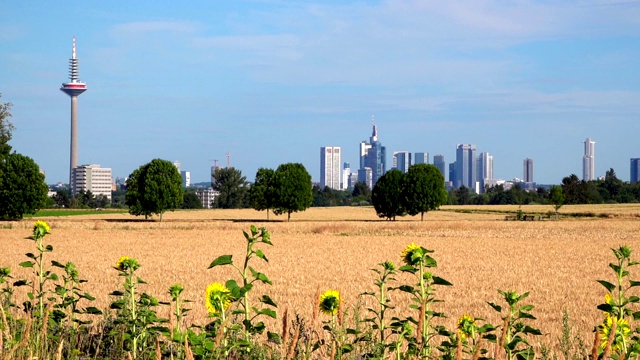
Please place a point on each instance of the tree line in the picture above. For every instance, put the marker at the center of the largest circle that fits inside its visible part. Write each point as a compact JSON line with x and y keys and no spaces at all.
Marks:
{"x":575,"y":191}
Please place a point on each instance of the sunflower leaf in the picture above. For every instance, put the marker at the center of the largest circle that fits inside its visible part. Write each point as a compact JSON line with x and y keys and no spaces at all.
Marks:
{"x":222,"y":260}
{"x":265,"y":299}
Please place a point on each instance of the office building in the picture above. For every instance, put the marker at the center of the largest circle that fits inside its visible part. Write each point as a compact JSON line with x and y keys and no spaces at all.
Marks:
{"x":346,"y":173}
{"x":207,"y":196}
{"x":589,"y":160}
{"x":186,"y":178}
{"x":420,"y":158}
{"x":366,"y":176}
{"x":635,"y":170}
{"x":527,"y":170}
{"x":373,"y":156}
{"x":452,"y":173}
{"x":402,"y":160}
{"x":484,"y":170}
{"x":330,"y":173}
{"x":438,"y":161}
{"x":92,"y":178}
{"x":465,"y":166}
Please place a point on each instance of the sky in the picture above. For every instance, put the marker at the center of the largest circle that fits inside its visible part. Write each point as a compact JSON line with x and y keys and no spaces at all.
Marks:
{"x":270,"y":82}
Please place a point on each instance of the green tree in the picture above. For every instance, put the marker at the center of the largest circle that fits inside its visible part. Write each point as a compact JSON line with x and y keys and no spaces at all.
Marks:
{"x":232,"y":187}
{"x":292,"y":189}
{"x":191,"y":200}
{"x":154,"y":188}
{"x":6,"y":127}
{"x":261,"y":193}
{"x":361,"y":192}
{"x":387,"y":195}
{"x":556,"y":197}
{"x":22,"y":187}
{"x":61,"y":198}
{"x":423,"y":189}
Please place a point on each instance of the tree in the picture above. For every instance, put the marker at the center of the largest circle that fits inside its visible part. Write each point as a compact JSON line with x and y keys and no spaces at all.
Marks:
{"x":191,"y":201}
{"x":261,"y":193}
{"x":423,"y":189}
{"x":22,"y":187}
{"x":232,"y":187}
{"x":61,"y":198}
{"x":387,"y":195}
{"x":361,"y":192}
{"x":556,"y":197}
{"x":154,"y":188}
{"x":6,"y":128}
{"x":292,"y":189}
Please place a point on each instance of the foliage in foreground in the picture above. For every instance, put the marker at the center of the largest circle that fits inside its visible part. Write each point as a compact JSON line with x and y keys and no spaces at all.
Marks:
{"x":55,"y":321}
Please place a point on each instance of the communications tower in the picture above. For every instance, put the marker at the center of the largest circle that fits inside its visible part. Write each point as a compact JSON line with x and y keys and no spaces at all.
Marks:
{"x":73,"y":88}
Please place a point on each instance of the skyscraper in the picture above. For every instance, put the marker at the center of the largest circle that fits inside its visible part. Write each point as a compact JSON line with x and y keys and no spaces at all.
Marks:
{"x":420,"y":158}
{"x":330,"y":167}
{"x":465,"y":166}
{"x":484,"y":169}
{"x":373,"y":156}
{"x":402,"y":160}
{"x":527,"y":170}
{"x":346,"y":173}
{"x":438,"y":161}
{"x":73,"y":88}
{"x":589,"y":160}
{"x":635,"y":170}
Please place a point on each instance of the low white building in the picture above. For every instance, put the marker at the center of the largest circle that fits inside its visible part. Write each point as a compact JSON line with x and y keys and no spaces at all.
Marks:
{"x":92,"y":178}
{"x":206,"y":197}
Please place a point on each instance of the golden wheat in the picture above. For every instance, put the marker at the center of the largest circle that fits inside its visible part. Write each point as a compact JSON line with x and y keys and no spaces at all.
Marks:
{"x":557,"y":261}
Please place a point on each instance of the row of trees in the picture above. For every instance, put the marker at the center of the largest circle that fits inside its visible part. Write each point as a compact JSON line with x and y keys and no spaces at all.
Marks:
{"x":418,"y":191}
{"x":574,"y":191}
{"x":287,"y":189}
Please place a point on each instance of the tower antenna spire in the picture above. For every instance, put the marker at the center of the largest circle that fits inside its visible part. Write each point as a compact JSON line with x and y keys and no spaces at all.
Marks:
{"x":73,"y":52}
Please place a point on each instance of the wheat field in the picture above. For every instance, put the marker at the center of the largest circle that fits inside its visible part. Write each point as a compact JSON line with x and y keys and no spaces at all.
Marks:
{"x":335,"y":248}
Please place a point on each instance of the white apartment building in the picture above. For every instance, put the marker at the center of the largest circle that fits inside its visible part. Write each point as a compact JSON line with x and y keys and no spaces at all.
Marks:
{"x":330,"y":172}
{"x":92,"y":178}
{"x":589,"y":160}
{"x":206,"y":197}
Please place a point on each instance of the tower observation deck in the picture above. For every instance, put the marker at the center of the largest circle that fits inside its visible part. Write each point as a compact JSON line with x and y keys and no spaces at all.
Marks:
{"x":73,"y":88}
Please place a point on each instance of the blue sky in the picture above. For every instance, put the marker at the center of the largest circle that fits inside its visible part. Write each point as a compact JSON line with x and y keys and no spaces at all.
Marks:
{"x":271,"y":82}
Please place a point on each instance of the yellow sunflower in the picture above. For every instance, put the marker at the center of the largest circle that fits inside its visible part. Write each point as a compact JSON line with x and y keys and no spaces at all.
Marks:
{"x":126,"y":263}
{"x":622,"y":332}
{"x":218,"y":298}
{"x":412,"y":254}
{"x":40,"y":229}
{"x":467,"y":326}
{"x":329,"y":302}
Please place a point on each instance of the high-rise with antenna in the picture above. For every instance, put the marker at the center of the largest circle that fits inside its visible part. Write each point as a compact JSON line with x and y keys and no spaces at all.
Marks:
{"x":73,"y":88}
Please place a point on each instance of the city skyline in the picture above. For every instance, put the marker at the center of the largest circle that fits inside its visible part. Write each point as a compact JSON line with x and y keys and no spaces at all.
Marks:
{"x":530,"y":79}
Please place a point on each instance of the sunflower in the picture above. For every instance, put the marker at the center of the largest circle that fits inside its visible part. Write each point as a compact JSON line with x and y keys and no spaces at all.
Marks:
{"x":218,"y":298}
{"x":412,"y":254}
{"x":467,"y":326}
{"x":622,"y":332}
{"x":126,"y":263}
{"x":329,"y":302}
{"x":40,"y":229}
{"x":609,"y":299}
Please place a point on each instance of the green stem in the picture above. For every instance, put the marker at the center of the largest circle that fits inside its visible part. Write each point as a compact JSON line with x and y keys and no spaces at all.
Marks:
{"x":425,"y":322}
{"x":40,"y":277}
{"x":245,"y":282}
{"x":382,"y":308}
{"x":132,"y":301}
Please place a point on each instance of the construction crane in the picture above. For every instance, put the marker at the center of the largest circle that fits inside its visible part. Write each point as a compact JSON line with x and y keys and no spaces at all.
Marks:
{"x":215,"y":162}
